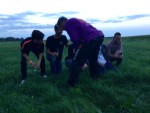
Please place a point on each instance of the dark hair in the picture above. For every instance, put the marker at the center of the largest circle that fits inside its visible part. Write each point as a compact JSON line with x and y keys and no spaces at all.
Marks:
{"x":56,"y":27}
{"x":38,"y":35}
{"x":60,"y":20}
{"x":117,"y":33}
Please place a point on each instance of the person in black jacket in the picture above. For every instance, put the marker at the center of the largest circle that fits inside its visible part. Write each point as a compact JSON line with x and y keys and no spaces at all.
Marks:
{"x":36,"y":45}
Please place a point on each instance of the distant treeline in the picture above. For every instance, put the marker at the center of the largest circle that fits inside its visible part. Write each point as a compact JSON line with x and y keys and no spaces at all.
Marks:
{"x":10,"y":39}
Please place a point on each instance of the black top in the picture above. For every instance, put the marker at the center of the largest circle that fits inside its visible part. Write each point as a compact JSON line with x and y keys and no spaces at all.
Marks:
{"x":56,"y":45}
{"x":28,"y":45}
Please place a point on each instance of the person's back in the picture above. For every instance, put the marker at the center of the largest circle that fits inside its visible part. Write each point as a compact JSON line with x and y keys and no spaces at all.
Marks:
{"x":81,"y":31}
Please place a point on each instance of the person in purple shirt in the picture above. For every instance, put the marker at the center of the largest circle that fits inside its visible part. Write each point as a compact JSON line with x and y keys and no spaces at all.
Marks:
{"x":86,"y":40}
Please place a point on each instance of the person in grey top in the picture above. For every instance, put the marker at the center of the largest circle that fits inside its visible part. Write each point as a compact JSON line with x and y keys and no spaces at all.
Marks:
{"x":114,"y":49}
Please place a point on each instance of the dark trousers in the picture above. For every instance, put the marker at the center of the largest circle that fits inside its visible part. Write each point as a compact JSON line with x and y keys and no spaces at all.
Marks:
{"x":89,"y":51}
{"x":68,"y":63}
{"x":118,"y":61}
{"x":24,"y":65}
{"x":108,"y":66}
{"x":55,"y":64}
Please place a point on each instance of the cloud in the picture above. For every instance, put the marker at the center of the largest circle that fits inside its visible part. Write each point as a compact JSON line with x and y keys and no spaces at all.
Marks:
{"x":133,"y":17}
{"x":20,"y":21}
{"x":93,"y":20}
{"x":58,"y":14}
{"x":126,"y":18}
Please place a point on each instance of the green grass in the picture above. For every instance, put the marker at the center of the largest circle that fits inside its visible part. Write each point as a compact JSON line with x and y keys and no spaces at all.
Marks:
{"x":127,"y":91}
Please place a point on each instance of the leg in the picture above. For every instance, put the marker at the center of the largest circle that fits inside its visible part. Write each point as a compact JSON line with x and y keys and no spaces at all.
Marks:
{"x":23,"y":64}
{"x":87,"y":50}
{"x":68,"y":63}
{"x":74,"y":74}
{"x":58,"y":66}
{"x":101,"y":70}
{"x":93,"y":65}
{"x":52,"y":59}
{"x":76,"y":65}
{"x":118,"y":62}
{"x":42,"y":65}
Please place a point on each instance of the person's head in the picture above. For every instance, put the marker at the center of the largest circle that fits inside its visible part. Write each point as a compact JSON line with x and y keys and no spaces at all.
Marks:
{"x":61,"y":22}
{"x":58,"y":31}
{"x":37,"y":37}
{"x":117,"y":37}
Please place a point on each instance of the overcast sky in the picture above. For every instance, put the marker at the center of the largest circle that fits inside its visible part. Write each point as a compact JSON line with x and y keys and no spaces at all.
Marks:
{"x":18,"y":18}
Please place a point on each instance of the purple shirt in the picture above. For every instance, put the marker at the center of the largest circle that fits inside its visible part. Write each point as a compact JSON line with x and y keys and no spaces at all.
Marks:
{"x":81,"y":31}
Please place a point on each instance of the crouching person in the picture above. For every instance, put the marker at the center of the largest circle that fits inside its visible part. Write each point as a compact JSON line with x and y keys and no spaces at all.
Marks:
{"x":103,"y":60}
{"x":114,"y":49}
{"x":34,"y":44}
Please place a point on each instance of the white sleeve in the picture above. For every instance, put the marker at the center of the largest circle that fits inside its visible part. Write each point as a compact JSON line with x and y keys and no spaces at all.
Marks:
{"x":101,"y":59}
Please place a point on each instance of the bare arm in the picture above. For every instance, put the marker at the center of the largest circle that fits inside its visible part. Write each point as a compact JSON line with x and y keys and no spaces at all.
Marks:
{"x":29,"y":60}
{"x":51,"y":53}
{"x":39,"y":61}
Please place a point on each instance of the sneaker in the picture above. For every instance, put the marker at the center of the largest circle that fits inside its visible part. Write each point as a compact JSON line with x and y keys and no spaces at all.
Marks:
{"x":22,"y":82}
{"x":44,"y":76}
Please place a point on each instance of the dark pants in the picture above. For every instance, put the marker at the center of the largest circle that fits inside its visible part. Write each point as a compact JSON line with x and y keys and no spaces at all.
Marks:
{"x":108,"y":66}
{"x":68,"y":63}
{"x":89,"y":51}
{"x":55,"y":64}
{"x":24,"y":65}
{"x":118,"y":61}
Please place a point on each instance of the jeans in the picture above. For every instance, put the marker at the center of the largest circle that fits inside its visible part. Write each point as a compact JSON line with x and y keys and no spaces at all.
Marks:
{"x":55,"y":64}
{"x":68,"y":63}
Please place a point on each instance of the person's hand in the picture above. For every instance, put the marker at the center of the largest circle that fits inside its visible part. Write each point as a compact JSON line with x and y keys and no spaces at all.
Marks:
{"x":118,"y":52}
{"x":56,"y":54}
{"x":120,"y":56}
{"x":117,"y":56}
{"x":38,"y":64}
{"x":32,"y":63}
{"x":84,"y":66}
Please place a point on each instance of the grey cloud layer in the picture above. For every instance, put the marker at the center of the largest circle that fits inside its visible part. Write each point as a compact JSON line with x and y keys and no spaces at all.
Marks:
{"x":126,"y":18}
{"x":118,"y":19}
{"x":19,"y":21}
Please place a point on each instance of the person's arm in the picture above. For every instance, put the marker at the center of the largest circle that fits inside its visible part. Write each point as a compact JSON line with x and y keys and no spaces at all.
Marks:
{"x":48,"y":46}
{"x":109,"y":52}
{"x":29,"y":60}
{"x":39,"y":61}
{"x":51,"y":53}
{"x":118,"y":53}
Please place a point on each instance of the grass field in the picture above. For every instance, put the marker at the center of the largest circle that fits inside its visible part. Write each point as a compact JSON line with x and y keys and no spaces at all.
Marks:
{"x":126,"y":91}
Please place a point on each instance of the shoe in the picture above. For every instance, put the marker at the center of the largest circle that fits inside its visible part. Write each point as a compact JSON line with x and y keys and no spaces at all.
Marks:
{"x":44,"y":76}
{"x":22,"y":82}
